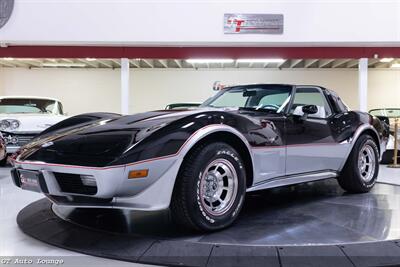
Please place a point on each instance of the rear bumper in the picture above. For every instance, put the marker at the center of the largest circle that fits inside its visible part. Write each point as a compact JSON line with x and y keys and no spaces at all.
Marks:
{"x":114,"y":189}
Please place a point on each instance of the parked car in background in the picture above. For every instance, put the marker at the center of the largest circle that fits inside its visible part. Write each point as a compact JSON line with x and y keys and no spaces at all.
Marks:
{"x":182,"y":105}
{"x":392,"y":114}
{"x":201,"y":162}
{"x":22,"y":118}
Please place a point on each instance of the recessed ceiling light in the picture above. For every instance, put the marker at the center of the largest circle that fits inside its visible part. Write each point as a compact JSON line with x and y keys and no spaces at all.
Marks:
{"x":8,"y":58}
{"x":205,"y":61}
{"x":260,"y":60}
{"x":91,"y":59}
{"x":386,"y":59}
{"x":395,"y":65}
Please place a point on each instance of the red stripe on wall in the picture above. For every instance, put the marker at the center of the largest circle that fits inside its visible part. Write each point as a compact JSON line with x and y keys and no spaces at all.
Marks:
{"x":197,"y":52}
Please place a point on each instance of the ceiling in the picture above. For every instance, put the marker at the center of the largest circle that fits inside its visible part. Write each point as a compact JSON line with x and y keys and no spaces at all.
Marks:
{"x":183,"y":64}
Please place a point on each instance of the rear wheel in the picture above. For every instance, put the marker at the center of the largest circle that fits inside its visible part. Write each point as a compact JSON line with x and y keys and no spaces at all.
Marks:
{"x":210,"y":188}
{"x":362,"y":166}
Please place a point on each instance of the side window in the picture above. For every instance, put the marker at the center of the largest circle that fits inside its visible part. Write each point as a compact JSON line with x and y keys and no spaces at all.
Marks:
{"x":336,"y":103}
{"x":310,"y":96}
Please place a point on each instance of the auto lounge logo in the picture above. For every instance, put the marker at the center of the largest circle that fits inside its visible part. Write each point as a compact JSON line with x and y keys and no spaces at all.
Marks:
{"x":253,"y":23}
{"x":6,"y":9}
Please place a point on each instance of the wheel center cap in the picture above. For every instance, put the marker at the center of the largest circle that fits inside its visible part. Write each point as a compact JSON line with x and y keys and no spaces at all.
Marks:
{"x":214,"y":186}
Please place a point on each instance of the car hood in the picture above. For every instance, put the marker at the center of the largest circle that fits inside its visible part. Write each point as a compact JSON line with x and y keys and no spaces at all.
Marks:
{"x":32,"y":123}
{"x":99,"y":142}
{"x":102,"y":142}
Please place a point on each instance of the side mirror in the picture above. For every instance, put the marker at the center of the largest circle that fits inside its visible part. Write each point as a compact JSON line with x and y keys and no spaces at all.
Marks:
{"x":310,"y":109}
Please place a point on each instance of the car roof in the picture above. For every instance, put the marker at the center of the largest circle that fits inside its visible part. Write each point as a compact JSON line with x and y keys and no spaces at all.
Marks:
{"x":276,"y":84}
{"x":29,"y":97}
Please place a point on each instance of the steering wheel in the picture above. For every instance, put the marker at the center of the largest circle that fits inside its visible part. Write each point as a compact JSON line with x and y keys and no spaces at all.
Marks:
{"x":269,"y":106}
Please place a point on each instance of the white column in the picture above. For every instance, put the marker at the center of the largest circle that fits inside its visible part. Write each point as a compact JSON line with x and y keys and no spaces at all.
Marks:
{"x":124,"y":86}
{"x":363,"y":84}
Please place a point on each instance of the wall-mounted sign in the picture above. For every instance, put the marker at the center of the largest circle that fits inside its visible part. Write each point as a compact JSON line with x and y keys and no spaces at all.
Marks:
{"x":253,"y":23}
{"x":6,"y":8}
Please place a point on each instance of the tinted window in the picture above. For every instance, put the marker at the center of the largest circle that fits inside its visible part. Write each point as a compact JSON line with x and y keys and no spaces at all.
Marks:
{"x":310,"y":96}
{"x":338,"y":105}
{"x":268,"y":98}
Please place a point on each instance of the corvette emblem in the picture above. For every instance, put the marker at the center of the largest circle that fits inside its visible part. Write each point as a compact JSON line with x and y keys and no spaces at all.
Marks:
{"x":6,"y":9}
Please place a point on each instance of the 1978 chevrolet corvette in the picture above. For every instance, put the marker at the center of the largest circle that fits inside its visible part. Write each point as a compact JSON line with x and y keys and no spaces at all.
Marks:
{"x":200,"y":163}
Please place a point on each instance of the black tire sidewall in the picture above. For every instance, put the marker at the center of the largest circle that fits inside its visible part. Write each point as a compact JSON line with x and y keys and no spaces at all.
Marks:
{"x":200,"y":216}
{"x":365,"y":139}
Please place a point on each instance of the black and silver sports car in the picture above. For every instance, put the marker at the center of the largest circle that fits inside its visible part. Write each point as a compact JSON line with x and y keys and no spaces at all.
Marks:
{"x":200,"y":163}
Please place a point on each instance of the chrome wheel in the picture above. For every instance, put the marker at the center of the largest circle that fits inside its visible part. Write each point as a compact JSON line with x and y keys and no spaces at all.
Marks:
{"x":367,"y":162}
{"x":218,"y":187}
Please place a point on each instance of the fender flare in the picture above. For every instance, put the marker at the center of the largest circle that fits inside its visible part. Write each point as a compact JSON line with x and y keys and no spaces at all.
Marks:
{"x":206,"y":131}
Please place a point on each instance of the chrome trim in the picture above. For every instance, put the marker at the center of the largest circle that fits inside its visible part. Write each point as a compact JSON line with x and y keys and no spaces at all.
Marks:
{"x":294,"y":179}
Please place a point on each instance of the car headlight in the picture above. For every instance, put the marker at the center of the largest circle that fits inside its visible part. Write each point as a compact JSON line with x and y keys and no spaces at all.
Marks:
{"x":4,"y":124}
{"x":14,"y":124}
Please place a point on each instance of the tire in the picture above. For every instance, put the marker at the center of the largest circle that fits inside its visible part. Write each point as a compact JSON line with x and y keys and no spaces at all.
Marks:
{"x":199,"y":181}
{"x":355,"y":179}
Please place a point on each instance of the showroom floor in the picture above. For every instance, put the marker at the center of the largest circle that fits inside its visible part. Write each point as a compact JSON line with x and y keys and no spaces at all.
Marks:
{"x":13,"y":241}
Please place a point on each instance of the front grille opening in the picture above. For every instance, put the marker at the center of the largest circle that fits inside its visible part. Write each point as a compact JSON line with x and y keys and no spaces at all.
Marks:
{"x":76,"y":184}
{"x":17,"y":139}
{"x":79,"y":200}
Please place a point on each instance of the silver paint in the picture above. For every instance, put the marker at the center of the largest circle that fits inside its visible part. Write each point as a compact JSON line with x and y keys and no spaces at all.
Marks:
{"x":294,"y":179}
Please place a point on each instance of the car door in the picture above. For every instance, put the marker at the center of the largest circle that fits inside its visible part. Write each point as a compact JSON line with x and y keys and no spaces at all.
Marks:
{"x":310,"y":145}
{"x":267,"y":138}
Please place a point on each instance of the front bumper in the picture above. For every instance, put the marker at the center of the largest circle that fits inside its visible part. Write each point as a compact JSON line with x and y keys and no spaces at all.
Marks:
{"x":113,"y":188}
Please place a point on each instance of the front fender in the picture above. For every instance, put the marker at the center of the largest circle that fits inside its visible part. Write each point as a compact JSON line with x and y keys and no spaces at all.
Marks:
{"x":163,"y":186}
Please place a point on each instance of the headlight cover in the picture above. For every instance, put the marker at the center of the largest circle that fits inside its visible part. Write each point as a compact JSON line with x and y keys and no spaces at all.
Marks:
{"x":14,"y":124}
{"x":4,"y":124}
{"x":9,"y":125}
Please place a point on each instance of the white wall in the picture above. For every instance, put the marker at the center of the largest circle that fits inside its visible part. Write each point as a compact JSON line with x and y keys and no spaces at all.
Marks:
{"x":80,"y":90}
{"x":99,"y":90}
{"x":383,"y":89}
{"x":161,"y":87}
{"x":193,"y":22}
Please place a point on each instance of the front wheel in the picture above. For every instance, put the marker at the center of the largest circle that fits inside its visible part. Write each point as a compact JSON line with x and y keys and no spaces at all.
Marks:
{"x":361,"y":170}
{"x":210,"y":188}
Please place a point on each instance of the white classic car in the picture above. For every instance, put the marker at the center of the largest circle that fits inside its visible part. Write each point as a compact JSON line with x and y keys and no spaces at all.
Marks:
{"x":24,"y":117}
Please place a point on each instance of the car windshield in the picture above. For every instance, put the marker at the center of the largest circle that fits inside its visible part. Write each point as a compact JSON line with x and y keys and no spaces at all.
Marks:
{"x":387,"y":112}
{"x":22,"y":105}
{"x":271,"y":98}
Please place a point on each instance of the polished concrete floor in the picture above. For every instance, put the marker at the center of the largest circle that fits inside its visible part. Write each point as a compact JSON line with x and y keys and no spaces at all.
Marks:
{"x":318,"y":213}
{"x":305,"y":206}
